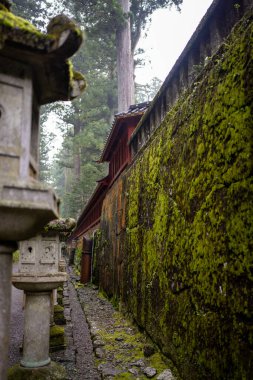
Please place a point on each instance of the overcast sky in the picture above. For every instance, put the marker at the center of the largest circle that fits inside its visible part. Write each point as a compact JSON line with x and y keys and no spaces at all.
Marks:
{"x":167,"y":36}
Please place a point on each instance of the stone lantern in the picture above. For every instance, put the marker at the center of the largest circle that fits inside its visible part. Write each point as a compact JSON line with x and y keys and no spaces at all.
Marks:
{"x":39,"y":273}
{"x":34,"y":70}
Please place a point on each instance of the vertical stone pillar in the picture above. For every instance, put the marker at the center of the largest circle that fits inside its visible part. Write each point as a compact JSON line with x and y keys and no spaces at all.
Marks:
{"x":6,"y":249}
{"x":36,"y":329}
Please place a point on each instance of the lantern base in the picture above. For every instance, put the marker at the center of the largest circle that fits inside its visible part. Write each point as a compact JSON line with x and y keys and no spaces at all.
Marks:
{"x":52,"y":371}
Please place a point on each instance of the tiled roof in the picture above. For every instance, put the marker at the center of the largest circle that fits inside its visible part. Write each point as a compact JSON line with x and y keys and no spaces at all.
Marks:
{"x":134,"y":110}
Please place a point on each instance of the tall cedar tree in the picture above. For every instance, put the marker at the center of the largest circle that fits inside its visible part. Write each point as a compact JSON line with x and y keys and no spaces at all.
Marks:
{"x":125,"y":20}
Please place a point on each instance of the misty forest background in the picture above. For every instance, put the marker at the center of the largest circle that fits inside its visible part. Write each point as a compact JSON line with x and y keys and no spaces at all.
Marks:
{"x":84,"y":123}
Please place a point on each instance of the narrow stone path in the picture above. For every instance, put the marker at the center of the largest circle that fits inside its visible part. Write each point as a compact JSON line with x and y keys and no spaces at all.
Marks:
{"x":101,"y":342}
{"x":85,"y":369}
{"x":78,"y":357}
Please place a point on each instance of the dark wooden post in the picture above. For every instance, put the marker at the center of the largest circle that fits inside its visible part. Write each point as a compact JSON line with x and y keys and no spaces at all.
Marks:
{"x":86,"y":261}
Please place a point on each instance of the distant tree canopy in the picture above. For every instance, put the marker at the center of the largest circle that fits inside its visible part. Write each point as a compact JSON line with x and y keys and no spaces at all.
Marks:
{"x":103,"y":18}
{"x":86,"y":121}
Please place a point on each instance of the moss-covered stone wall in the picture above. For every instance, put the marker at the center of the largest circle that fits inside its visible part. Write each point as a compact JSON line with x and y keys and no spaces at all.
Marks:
{"x":186,"y":250}
{"x":110,"y":241}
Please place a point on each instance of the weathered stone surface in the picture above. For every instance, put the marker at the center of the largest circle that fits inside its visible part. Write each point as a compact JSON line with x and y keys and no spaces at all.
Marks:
{"x":166,"y":375}
{"x":133,"y":371}
{"x":98,"y":343}
{"x":139,"y":363}
{"x":53,"y":371}
{"x":36,"y":330}
{"x":149,"y":372}
{"x":94,"y":332}
{"x":108,"y":370}
{"x":61,"y":225}
{"x":99,"y":352}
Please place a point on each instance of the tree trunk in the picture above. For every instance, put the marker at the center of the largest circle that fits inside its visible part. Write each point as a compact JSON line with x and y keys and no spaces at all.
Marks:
{"x":125,"y":62}
{"x":77,"y":153}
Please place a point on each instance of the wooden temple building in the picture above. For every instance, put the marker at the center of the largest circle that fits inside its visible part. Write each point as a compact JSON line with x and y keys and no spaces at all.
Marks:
{"x":117,"y":154}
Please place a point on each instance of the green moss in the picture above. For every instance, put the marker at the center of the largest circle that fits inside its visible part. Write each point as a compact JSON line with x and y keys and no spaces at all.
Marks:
{"x":56,"y":331}
{"x":52,"y":371}
{"x":57,"y":338}
{"x":158,"y":363}
{"x":126,"y":344}
{"x":60,"y":23}
{"x":58,"y":309}
{"x":187,"y":250}
{"x":79,"y":285}
{"x":125,"y":375}
{"x":189,"y":266}
{"x":15,"y":256}
{"x":8,"y":19}
{"x":22,"y":31}
{"x":78,"y":76}
{"x":4,"y":8}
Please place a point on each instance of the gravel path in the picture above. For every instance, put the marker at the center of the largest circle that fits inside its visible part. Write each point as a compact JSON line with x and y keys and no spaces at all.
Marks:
{"x":121,"y":350}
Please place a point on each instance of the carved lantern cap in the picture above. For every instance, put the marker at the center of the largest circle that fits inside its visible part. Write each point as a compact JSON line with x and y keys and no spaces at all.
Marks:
{"x":47,"y":54}
{"x":60,"y":225}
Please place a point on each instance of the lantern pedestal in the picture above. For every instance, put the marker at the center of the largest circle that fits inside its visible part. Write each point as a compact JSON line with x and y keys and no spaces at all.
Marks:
{"x":6,"y":250}
{"x":38,"y":290}
{"x":36,"y":330}
{"x":38,"y":276}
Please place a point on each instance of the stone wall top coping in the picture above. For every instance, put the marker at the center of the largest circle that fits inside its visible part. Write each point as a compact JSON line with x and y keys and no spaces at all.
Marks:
{"x":214,"y":27}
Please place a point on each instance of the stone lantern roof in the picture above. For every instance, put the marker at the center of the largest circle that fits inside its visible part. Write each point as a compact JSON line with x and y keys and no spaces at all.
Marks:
{"x":53,"y":74}
{"x":62,"y":227}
